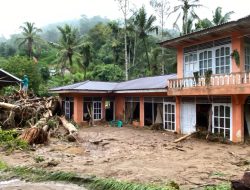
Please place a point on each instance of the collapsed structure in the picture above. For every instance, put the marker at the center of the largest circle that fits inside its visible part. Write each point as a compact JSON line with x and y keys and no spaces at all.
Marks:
{"x":210,"y":91}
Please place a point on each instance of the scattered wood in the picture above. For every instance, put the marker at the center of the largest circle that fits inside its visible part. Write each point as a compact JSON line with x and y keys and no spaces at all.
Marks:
{"x":69,"y":126}
{"x":184,"y":137}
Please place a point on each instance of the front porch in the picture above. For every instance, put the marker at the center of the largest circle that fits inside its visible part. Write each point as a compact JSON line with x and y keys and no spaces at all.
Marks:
{"x":222,"y":84}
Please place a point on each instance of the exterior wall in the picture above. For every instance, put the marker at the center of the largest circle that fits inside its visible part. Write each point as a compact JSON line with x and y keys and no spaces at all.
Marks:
{"x":238,"y":102}
{"x":238,"y":44}
{"x":119,"y":104}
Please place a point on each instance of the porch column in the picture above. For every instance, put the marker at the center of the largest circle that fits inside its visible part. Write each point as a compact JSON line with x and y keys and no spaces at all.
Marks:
{"x":78,"y":109}
{"x":119,"y":107}
{"x":238,"y":117}
{"x":238,"y":44}
{"x":103,"y":108}
{"x":141,"y":111}
{"x":178,"y":114}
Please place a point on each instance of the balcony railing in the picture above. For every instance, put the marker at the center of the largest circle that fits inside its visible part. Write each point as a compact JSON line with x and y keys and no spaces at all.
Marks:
{"x":215,"y":80}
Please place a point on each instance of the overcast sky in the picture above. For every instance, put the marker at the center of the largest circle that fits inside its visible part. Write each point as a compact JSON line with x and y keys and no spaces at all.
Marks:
{"x":14,"y":12}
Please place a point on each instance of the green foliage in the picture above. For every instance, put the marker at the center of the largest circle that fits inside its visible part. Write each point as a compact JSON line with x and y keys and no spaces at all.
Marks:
{"x":208,"y":75}
{"x":235,"y":54}
{"x":20,"y":66}
{"x":223,"y":186}
{"x":110,"y":184}
{"x":9,"y":90}
{"x":39,"y":159}
{"x":10,"y":142}
{"x":108,"y":72}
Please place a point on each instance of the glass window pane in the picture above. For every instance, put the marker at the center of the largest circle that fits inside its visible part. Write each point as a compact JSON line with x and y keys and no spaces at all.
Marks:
{"x":205,"y":64}
{"x":210,"y":63}
{"x":227,"y":50}
{"x":217,"y":62}
{"x":227,"y":60}
{"x":222,"y":111}
{"x":216,"y":110}
{"x":209,"y":54}
{"x":221,"y":122}
{"x":227,"y":111}
{"x":215,"y":122}
{"x":222,"y":51}
{"x":205,"y":55}
{"x":217,"y":53}
{"x":201,"y":56}
{"x":227,"y":123}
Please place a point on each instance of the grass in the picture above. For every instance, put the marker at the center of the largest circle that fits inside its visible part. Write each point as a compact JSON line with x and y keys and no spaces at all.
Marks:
{"x":91,"y":182}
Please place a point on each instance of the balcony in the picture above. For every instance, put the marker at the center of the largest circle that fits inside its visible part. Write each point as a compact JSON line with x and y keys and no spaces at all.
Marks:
{"x":233,"y":83}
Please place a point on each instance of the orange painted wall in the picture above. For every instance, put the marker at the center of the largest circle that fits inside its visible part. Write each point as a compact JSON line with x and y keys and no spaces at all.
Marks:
{"x":180,"y":62}
{"x":238,"y":102}
{"x":238,"y":44}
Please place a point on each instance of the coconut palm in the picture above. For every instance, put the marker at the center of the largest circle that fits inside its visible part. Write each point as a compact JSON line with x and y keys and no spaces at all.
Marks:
{"x":67,"y":46}
{"x":85,"y":52}
{"x":144,"y":26}
{"x":218,"y":18}
{"x":186,"y":9}
{"x":29,"y":36}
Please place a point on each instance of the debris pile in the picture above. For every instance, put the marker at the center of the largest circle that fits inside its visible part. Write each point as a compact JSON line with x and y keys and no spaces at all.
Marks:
{"x":35,"y":114}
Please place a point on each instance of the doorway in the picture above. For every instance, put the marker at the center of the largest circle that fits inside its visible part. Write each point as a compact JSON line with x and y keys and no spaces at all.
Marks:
{"x":109,"y":110}
{"x":202,"y":116}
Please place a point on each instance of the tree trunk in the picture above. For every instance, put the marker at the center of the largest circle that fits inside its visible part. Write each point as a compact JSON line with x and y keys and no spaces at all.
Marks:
{"x":134,"y":50}
{"x":146,"y":49}
{"x":67,"y":125}
{"x":126,"y":55}
{"x":8,"y":106}
{"x":30,"y":47}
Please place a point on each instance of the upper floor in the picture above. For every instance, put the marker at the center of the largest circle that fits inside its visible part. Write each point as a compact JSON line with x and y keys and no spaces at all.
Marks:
{"x":213,"y":60}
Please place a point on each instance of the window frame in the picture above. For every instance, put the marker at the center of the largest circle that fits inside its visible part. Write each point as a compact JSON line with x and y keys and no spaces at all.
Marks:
{"x":213,"y":49}
{"x":224,"y":117}
{"x":247,"y":46}
{"x":165,"y":120}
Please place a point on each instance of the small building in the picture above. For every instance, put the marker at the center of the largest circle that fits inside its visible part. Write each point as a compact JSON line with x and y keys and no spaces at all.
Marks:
{"x":133,"y":101}
{"x":7,"y":79}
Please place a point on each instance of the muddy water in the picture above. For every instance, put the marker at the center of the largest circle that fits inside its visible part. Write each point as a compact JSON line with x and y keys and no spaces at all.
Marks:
{"x":21,"y":185}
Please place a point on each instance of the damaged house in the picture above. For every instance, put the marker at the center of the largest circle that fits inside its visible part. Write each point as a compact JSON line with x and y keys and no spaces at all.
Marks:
{"x":209,"y":92}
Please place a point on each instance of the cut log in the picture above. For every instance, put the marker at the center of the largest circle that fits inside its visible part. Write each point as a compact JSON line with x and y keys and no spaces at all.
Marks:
{"x":67,"y":125}
{"x":34,"y":135}
{"x":8,"y":105}
{"x":184,"y":137}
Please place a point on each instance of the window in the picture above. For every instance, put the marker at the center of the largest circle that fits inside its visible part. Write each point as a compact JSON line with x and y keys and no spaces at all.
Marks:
{"x":92,"y":103}
{"x":247,"y":58}
{"x":221,"y":120}
{"x":169,"y":116}
{"x":97,"y":110}
{"x":190,"y":64}
{"x":222,"y":60}
{"x":68,"y":107}
{"x":205,"y":61}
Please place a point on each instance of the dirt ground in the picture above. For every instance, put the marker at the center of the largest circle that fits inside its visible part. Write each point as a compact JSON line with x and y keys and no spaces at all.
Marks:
{"x":141,"y":155}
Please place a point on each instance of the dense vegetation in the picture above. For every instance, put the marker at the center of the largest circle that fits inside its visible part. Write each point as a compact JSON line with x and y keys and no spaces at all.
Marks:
{"x":100,"y":49}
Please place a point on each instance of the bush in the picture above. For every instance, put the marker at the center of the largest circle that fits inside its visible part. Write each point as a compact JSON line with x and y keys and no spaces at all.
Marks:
{"x":9,"y":140}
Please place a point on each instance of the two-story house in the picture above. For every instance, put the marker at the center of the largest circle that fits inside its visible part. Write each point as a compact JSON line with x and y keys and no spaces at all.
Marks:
{"x":213,"y":80}
{"x":210,"y":91}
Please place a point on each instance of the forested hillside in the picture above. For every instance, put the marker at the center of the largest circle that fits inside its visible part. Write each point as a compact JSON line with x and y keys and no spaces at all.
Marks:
{"x":98,"y":48}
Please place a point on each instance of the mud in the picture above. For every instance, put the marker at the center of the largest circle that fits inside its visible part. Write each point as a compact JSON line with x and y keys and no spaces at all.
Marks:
{"x":141,"y":155}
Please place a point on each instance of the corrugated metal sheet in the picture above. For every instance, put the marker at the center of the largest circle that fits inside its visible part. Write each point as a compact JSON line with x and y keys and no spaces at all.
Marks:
{"x":146,"y":83}
{"x":8,"y":79}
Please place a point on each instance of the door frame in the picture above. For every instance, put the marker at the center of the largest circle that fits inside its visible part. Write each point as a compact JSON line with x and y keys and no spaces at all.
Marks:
{"x":164,"y":115}
{"x":231,"y":118}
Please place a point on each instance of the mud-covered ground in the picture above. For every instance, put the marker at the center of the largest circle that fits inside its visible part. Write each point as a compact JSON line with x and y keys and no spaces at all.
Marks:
{"x":140,"y":155}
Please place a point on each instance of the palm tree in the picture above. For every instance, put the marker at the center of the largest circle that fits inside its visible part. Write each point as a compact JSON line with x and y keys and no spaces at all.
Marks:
{"x":67,"y":46}
{"x":144,"y":26}
{"x":186,"y":8}
{"x":218,"y":18}
{"x":29,"y":36}
{"x":85,"y":51}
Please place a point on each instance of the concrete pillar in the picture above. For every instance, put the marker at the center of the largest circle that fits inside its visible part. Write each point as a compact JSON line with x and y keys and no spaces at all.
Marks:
{"x":103,"y":108}
{"x":78,"y":109}
{"x":119,"y":107}
{"x":178,"y":115}
{"x":238,"y":102}
{"x":141,"y":111}
{"x":238,"y":44}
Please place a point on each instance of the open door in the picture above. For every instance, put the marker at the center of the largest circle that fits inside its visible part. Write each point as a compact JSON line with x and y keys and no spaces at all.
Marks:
{"x":188,"y":117}
{"x":109,"y":110}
